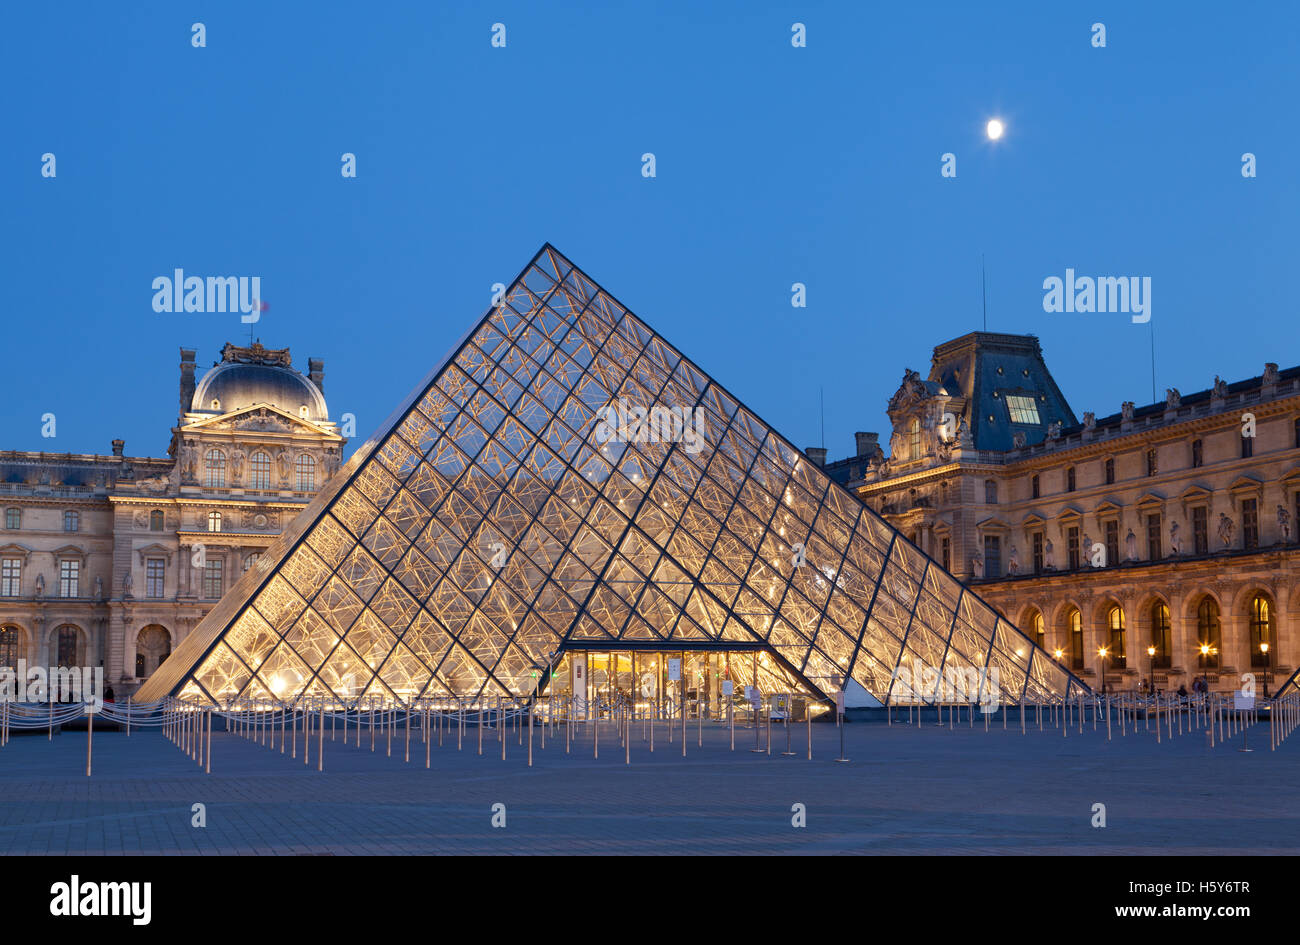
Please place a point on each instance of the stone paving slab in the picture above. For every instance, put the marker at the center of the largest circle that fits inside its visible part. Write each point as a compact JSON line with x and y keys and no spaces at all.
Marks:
{"x":907,"y":790}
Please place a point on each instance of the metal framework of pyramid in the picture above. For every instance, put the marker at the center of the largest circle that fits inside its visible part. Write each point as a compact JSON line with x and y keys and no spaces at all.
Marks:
{"x":494,"y":522}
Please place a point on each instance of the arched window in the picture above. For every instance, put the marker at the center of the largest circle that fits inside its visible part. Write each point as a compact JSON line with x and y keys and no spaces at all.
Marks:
{"x":156,"y":520}
{"x":11,"y":647}
{"x":1118,"y":655}
{"x":259,"y":471}
{"x":1037,"y":631}
{"x":1074,"y":626}
{"x":1160,"y":634}
{"x":68,"y":642}
{"x":306,"y":469}
{"x":252,"y":560}
{"x":1208,"y":638}
{"x":214,"y":521}
{"x":214,"y":469}
{"x":1262,"y":652}
{"x":152,"y":645}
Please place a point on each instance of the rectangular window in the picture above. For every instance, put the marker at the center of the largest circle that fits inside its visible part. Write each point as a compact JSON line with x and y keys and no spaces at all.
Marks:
{"x":1110,"y":472}
{"x":992,"y":556}
{"x":1072,"y":548}
{"x":11,"y":577}
{"x":943,"y":550}
{"x":1153,"y":537}
{"x":1198,"y":454}
{"x":1249,"y":524}
{"x":1069,"y":479}
{"x":1112,"y":543}
{"x":71,"y":521}
{"x":69,"y":578}
{"x":212,"y":578}
{"x":155,"y":573}
{"x":13,"y":518}
{"x":1022,"y":409}
{"x":1247,"y":446}
{"x":1201,"y":530}
{"x":990,"y":492}
{"x":1152,"y":466}
{"x":1037,"y":540}
{"x":1033,"y":486}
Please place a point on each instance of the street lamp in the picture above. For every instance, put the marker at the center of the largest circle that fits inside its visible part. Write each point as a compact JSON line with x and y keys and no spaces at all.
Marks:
{"x":1059,"y":653}
{"x":1151,"y":652}
{"x":1263,"y":648}
{"x":1206,"y":652}
{"x":1103,"y":653}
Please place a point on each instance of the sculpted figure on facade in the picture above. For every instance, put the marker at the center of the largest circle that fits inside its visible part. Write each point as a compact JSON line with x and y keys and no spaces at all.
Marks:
{"x":1227,"y":528}
{"x":1284,"y":524}
{"x":1175,"y":541}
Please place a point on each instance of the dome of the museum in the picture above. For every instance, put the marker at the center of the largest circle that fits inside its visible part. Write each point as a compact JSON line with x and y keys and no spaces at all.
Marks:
{"x":242,"y":380}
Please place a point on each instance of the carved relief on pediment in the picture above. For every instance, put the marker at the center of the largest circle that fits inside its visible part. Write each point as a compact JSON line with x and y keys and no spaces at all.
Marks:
{"x":263,"y":420}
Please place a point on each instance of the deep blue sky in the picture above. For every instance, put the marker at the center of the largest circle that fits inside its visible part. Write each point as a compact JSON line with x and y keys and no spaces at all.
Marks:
{"x":775,"y":165}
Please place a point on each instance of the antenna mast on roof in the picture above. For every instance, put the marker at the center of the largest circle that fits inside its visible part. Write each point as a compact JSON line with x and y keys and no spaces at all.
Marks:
{"x":984,"y":295}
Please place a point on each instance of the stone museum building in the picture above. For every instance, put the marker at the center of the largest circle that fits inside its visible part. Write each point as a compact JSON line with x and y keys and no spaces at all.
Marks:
{"x":1159,"y":539}
{"x":111,"y":560}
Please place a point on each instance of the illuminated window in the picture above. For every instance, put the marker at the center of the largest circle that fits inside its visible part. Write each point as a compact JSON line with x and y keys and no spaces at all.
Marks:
{"x":1074,"y":625}
{"x":1261,"y":631}
{"x":214,"y":521}
{"x":1022,"y":409}
{"x":259,"y":471}
{"x":1208,"y":640}
{"x":214,"y":469}
{"x":1152,"y":466}
{"x":1038,"y":631}
{"x":914,"y":439}
{"x":1117,"y":657}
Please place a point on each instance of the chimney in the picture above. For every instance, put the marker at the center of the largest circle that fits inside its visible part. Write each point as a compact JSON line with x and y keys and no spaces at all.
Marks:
{"x":118,"y":446}
{"x":817,"y":454}
{"x":868,"y":443}
{"x":316,"y":373}
{"x":187,"y":380}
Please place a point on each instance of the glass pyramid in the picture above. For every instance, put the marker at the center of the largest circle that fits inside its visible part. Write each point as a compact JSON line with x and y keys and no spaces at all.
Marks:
{"x":566,"y":480}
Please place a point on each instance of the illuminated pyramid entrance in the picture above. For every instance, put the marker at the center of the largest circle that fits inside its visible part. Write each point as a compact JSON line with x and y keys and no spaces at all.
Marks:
{"x":566,"y":481}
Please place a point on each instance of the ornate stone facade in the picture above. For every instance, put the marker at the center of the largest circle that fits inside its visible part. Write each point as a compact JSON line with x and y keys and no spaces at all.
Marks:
{"x":111,"y":560}
{"x":1171,"y":525}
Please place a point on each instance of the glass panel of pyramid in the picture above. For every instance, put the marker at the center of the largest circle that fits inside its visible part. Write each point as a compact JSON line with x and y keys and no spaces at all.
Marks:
{"x":564,"y":480}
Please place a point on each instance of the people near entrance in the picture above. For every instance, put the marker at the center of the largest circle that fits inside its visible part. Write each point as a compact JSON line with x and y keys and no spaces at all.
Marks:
{"x":108,"y":694}
{"x":1182,"y":693}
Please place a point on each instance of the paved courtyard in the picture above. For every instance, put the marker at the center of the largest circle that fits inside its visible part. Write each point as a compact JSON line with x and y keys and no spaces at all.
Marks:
{"x":906,"y":790}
